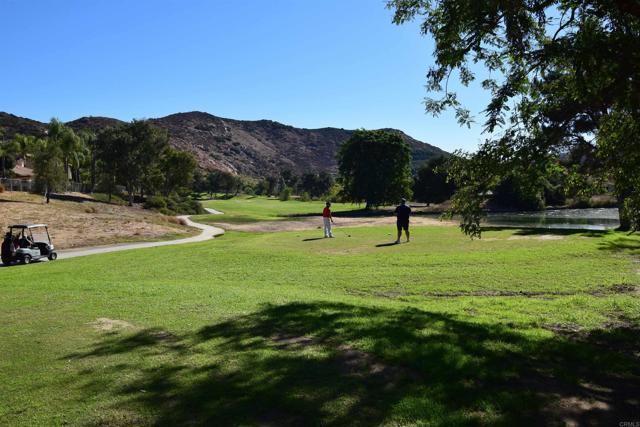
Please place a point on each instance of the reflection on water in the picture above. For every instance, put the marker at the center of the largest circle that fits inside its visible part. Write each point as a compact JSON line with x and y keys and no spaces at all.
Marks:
{"x":580,"y":219}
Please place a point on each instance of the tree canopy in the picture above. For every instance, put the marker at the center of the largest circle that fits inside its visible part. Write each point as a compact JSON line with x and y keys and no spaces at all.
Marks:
{"x":375,"y":168}
{"x":137,"y":155}
{"x":431,"y":183}
{"x":565,"y":77}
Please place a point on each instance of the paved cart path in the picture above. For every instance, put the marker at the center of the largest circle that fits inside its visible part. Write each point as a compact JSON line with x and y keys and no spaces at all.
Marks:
{"x":208,"y":232}
{"x":213,"y":211}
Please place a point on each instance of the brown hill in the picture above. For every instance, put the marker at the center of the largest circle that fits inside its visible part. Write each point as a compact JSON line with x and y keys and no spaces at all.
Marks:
{"x":252,"y":148}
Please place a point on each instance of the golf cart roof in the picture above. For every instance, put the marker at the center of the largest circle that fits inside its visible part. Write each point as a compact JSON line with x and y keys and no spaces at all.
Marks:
{"x":27,"y":225}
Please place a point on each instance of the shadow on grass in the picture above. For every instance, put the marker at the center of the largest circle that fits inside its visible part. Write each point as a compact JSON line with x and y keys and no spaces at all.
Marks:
{"x":382,"y":245}
{"x":337,"y":364}
{"x":541,"y":231}
{"x":625,"y":243}
{"x":311,"y":239}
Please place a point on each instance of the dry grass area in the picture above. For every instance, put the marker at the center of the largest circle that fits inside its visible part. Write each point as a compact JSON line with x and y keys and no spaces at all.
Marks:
{"x":308,"y":223}
{"x":88,"y":223}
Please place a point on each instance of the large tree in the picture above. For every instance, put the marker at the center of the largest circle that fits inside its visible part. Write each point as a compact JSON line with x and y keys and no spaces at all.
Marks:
{"x":178,"y":168}
{"x":431,"y":184}
{"x":375,"y":168}
{"x":316,"y":184}
{"x":566,"y":74}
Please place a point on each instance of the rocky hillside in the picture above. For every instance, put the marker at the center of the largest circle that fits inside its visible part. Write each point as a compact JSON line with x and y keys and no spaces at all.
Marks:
{"x":251,"y":148}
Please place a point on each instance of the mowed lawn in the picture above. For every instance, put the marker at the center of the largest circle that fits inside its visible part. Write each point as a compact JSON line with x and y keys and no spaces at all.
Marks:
{"x":245,"y":209}
{"x":283,"y":329}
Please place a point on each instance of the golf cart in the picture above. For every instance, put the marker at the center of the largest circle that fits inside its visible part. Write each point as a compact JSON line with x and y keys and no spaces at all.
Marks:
{"x":27,"y":242}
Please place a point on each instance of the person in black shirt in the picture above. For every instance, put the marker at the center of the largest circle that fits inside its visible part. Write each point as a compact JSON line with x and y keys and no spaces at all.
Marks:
{"x":402,"y":214}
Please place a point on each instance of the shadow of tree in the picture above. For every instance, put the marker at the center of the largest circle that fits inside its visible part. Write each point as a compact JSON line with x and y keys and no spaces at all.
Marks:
{"x":536,"y":231}
{"x":337,"y":364}
{"x":627,"y":243}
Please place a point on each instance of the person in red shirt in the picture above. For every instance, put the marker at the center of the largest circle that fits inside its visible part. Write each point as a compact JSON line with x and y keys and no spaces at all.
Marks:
{"x":327,"y":218}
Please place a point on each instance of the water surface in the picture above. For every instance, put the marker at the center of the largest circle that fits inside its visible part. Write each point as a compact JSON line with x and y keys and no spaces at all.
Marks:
{"x":576,"y":219}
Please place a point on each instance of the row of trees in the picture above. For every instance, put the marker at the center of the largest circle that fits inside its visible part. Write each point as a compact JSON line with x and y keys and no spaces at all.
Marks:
{"x":375,"y":169}
{"x":313,"y":184}
{"x":135,"y":155}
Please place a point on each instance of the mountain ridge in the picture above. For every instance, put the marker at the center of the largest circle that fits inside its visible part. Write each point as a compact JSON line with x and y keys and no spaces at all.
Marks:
{"x":255,"y":148}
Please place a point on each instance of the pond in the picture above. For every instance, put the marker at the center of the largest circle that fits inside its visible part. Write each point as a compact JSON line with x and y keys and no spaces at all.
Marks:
{"x":577,"y":219}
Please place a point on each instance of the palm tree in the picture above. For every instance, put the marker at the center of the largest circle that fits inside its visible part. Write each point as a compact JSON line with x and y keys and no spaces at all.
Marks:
{"x":69,"y":143}
{"x":89,"y":140}
{"x":25,"y":143}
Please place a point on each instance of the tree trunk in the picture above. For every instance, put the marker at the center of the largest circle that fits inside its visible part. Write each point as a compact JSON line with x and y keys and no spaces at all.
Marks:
{"x":368,"y":206}
{"x":625,"y":221}
{"x":93,"y":170}
{"x":47,"y":194}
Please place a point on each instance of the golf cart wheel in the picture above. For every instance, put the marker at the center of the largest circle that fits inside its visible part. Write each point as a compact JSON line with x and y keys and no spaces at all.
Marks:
{"x":26,"y":259}
{"x":53,"y":256}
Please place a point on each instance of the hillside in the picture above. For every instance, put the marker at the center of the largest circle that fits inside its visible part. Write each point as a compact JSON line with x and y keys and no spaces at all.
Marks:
{"x":252,"y":148}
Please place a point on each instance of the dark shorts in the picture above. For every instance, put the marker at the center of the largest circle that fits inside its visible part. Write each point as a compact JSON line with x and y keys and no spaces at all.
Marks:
{"x":402,"y":225}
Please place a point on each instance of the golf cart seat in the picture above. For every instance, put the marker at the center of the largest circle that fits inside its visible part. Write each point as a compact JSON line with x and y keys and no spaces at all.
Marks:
{"x":24,"y":243}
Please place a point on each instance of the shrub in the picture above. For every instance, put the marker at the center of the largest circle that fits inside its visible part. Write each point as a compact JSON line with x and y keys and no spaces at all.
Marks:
{"x":285,"y":194}
{"x":305,"y":197}
{"x":174,"y":205}
{"x":155,"y":202}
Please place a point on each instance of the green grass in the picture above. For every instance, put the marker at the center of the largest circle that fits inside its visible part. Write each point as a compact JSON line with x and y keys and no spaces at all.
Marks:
{"x":286,"y":329}
{"x":246,"y":209}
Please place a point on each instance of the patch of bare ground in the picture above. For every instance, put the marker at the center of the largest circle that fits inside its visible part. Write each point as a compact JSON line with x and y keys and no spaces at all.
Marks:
{"x":358,"y":363}
{"x":605,"y":399}
{"x":88,"y":223}
{"x":106,"y":324}
{"x":310,"y":223}
{"x":536,"y":237}
{"x":599,"y":292}
{"x":519,"y":237}
{"x":604,"y":402}
{"x":118,"y":418}
{"x":618,"y":335}
{"x":352,"y":362}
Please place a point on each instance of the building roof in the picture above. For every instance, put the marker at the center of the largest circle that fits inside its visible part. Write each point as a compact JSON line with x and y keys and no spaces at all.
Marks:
{"x":23,"y":172}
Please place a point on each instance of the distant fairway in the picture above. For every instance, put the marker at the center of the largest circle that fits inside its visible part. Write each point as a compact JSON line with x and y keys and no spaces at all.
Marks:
{"x":252,"y":209}
{"x":519,"y":328}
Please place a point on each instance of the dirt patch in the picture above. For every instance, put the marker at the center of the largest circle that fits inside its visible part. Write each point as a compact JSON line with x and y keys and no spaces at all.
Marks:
{"x":290,"y":341}
{"x":88,"y":223}
{"x":106,"y":324}
{"x":604,"y":402}
{"x":537,"y":237}
{"x":362,"y":364}
{"x":311,"y":223}
{"x":617,"y":335}
{"x":600,"y":292}
{"x":163,"y":336}
{"x":352,"y":362}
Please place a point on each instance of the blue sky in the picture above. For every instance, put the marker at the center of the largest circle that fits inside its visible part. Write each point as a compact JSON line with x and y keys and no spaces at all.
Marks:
{"x":305,"y":63}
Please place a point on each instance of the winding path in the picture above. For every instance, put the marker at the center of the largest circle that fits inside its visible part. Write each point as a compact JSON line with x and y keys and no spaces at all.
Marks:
{"x":208,"y":232}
